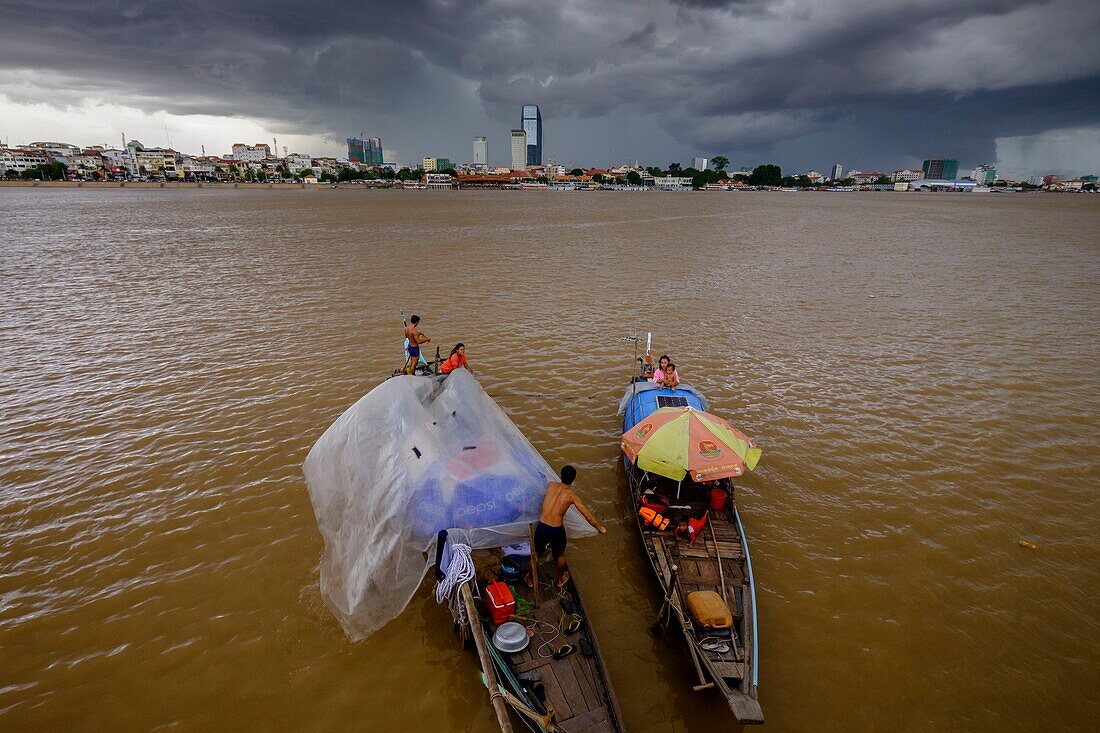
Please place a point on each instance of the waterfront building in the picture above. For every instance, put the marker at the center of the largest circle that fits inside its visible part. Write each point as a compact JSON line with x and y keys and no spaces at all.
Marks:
{"x":815,"y":177}
{"x":297,"y":162}
{"x":908,"y":175}
{"x":251,"y":153}
{"x":438,"y":180}
{"x":838,"y":171}
{"x":429,"y":165}
{"x":940,"y":169}
{"x":481,"y":151}
{"x":141,"y":160}
{"x":672,"y":183}
{"x":197,"y":169}
{"x":532,"y":128}
{"x":21,"y":159}
{"x":984,"y":175}
{"x":114,"y":157}
{"x":866,"y":177}
{"x":519,"y":150}
{"x":699,"y":164}
{"x":61,"y":152}
{"x":943,"y":185}
{"x":88,"y":163}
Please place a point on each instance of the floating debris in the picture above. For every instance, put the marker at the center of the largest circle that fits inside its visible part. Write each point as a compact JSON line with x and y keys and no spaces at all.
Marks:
{"x":1028,"y":545}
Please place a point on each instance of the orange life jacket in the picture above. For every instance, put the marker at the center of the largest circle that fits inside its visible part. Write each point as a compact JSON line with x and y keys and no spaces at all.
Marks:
{"x":653,"y":519}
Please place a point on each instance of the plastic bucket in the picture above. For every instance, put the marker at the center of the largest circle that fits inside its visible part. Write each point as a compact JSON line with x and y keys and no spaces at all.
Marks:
{"x":718,"y":499}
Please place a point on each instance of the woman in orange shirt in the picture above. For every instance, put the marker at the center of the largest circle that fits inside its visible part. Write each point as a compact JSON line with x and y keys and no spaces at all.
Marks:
{"x":456,"y":359}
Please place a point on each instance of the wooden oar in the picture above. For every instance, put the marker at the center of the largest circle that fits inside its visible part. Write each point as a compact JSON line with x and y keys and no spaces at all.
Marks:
{"x":487,"y":667}
{"x":688,"y":634}
{"x":718,"y":554}
{"x":545,"y":722}
{"x":722,"y":580}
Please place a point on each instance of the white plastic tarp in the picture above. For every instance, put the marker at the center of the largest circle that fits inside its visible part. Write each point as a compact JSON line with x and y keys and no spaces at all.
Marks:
{"x":414,"y":456}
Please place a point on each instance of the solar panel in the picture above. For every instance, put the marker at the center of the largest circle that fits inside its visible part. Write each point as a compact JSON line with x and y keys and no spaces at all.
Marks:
{"x":671,"y":401}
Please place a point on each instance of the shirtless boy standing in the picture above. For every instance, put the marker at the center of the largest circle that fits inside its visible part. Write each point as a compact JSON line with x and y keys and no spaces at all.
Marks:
{"x":550,"y":531}
{"x":415,"y":340}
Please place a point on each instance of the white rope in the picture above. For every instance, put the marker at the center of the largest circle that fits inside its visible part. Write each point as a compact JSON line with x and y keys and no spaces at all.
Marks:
{"x":459,"y":571}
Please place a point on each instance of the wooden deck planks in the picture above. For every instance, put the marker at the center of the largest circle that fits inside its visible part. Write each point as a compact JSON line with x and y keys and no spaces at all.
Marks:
{"x":593,"y":721}
{"x":729,"y":670}
{"x":554,"y":692}
{"x":582,"y":669}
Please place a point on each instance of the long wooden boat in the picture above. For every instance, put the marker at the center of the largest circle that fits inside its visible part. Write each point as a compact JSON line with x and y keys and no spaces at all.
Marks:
{"x":570,"y":694}
{"x":717,"y":560}
{"x":431,"y":464}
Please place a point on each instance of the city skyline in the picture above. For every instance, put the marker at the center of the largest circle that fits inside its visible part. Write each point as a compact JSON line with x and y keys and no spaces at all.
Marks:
{"x":1008,"y":83}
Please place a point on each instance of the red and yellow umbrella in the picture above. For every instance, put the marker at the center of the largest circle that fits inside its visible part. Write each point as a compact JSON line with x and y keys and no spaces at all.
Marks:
{"x":673,"y":441}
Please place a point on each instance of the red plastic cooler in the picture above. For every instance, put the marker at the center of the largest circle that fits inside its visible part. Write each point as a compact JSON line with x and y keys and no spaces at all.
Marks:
{"x":499,"y":600}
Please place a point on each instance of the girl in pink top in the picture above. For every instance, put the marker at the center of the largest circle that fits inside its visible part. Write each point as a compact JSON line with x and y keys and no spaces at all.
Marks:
{"x":662,"y":364}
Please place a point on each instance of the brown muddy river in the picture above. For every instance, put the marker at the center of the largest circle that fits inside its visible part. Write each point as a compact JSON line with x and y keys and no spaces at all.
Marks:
{"x":921,"y":370}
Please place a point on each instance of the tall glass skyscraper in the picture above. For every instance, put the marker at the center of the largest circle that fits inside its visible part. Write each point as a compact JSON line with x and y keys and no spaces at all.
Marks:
{"x":367,"y":151}
{"x":941,"y":169}
{"x":532,"y":125}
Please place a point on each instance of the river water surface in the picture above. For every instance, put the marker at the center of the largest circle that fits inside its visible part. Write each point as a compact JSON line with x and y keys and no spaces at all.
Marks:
{"x":921,"y":370}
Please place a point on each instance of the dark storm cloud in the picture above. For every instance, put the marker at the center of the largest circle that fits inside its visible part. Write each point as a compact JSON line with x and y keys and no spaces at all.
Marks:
{"x":717,"y":76}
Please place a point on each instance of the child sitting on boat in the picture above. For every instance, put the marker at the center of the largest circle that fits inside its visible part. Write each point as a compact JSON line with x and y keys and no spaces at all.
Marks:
{"x":688,"y":527}
{"x":669,"y":378}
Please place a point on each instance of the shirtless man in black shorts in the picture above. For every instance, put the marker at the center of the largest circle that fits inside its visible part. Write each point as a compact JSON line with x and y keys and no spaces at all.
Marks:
{"x":550,"y":531}
{"x":416,"y":339}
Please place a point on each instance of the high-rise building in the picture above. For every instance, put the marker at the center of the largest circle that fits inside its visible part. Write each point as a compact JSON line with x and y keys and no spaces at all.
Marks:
{"x":481,"y":151}
{"x":838,"y":171}
{"x":367,"y":151}
{"x":984,"y":175}
{"x":519,"y":149}
{"x":427,"y":164}
{"x":532,"y":127}
{"x":356,"y":151}
{"x":941,"y":169}
{"x":699,"y":164}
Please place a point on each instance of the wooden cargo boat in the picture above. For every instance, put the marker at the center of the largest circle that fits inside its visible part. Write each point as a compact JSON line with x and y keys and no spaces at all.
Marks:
{"x":429,"y":467}
{"x":570,"y":694}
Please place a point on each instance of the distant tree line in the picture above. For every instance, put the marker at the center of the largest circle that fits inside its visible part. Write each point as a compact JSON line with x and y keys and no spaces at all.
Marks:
{"x":49,"y":172}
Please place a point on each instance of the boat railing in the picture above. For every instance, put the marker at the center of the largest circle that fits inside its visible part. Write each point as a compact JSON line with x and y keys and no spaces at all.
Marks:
{"x":752,"y":597}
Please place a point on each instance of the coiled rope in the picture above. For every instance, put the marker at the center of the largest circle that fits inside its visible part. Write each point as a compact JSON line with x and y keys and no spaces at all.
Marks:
{"x":459,"y":571}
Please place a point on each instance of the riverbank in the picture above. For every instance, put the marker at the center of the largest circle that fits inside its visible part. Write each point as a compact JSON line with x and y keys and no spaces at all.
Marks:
{"x":157,"y":184}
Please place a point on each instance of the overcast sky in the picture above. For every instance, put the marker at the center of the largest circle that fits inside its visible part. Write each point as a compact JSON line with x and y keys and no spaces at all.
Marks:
{"x":872,"y":84}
